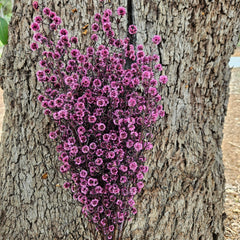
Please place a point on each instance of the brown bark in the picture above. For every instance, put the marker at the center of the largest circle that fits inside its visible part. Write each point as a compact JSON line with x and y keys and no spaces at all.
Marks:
{"x":184,"y":192}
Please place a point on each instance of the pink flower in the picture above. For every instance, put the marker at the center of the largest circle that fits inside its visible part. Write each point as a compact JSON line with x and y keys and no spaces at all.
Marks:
{"x":38,"y":19}
{"x":163,"y":79}
{"x":123,"y":168}
{"x":131,"y":202}
{"x":95,"y":27}
{"x":133,"y":166}
{"x":133,"y":190}
{"x":139,"y":176}
{"x":34,"y":46}
{"x":114,"y":171}
{"x":83,"y":173}
{"x":103,"y":108}
{"x":66,"y":185}
{"x":144,"y":169}
{"x":85,"y":149}
{"x":63,"y":32}
{"x":94,"y":202}
{"x":46,"y":11}
{"x":123,"y":179}
{"x":85,"y":82}
{"x":98,"y":161}
{"x":74,"y":40}
{"x":92,"y":119}
{"x":101,"y":126}
{"x":156,"y":39}
{"x":161,"y":113}
{"x":94,"y":37}
{"x":107,"y":12}
{"x":57,"y":20}
{"x":140,"y":185}
{"x":121,"y":11}
{"x":106,"y":27}
{"x":149,"y":146}
{"x":132,"y":102}
{"x":152,"y":91}
{"x":111,"y":228}
{"x":129,"y":143}
{"x":35,"y":5}
{"x":75,"y":53}
{"x":123,"y":135}
{"x":132,"y":29}
{"x":35,"y":27}
{"x":97,"y":17}
{"x":158,"y":67}
{"x":146,"y":74}
{"x":138,"y":146}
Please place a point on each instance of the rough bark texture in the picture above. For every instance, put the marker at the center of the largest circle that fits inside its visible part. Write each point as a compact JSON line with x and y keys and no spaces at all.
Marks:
{"x":184,"y":193}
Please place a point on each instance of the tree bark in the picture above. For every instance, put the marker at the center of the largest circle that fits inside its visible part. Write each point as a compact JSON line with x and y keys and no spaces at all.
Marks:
{"x":184,"y":191}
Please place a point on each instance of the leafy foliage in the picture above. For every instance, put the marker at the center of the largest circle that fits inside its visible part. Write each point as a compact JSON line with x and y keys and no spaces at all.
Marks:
{"x":3,"y":31}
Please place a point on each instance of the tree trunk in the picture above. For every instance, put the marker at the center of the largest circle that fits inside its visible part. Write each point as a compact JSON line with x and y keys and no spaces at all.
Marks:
{"x":184,"y":191}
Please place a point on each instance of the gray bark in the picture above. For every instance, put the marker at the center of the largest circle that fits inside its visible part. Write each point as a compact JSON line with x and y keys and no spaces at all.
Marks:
{"x":184,"y":191}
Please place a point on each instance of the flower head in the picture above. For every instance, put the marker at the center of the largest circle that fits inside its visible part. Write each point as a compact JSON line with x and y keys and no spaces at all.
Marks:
{"x":35,"y":27}
{"x":34,"y":46}
{"x":35,"y":5}
{"x":156,"y":39}
{"x":121,"y":11}
{"x":132,"y":29}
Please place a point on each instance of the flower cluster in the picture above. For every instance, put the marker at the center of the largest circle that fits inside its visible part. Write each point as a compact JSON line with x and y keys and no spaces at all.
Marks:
{"x":104,"y":111}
